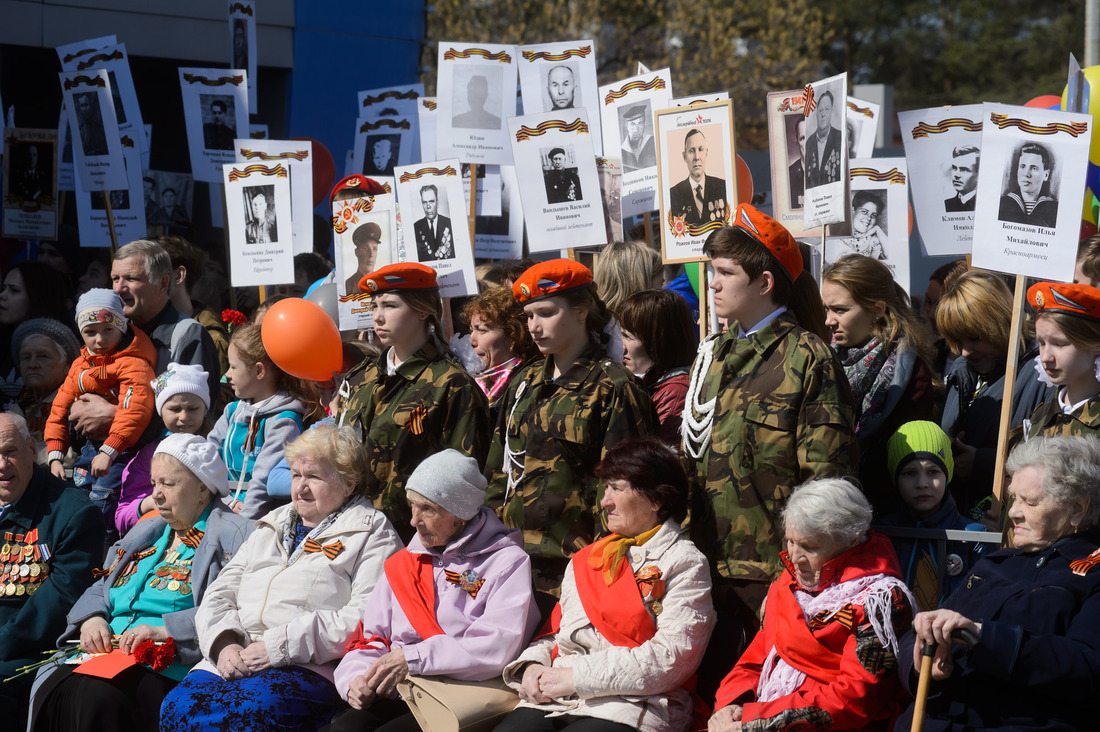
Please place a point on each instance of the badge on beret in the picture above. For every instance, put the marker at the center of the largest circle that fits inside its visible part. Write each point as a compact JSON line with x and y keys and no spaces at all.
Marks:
{"x":525,"y":290}
{"x":1039,"y":299}
{"x":372,"y":285}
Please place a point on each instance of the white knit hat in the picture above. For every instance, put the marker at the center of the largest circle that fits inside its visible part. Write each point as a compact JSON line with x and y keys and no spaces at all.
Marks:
{"x":200,"y":457}
{"x":100,"y":305}
{"x":182,"y":378}
{"x":452,"y":480}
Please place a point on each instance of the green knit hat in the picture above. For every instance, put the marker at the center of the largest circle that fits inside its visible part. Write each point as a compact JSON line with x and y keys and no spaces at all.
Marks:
{"x":919,"y":440}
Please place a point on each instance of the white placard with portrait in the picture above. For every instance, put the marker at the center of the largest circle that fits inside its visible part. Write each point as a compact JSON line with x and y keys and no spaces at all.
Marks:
{"x":298,"y":156}
{"x":127,"y":206}
{"x":169,"y":198}
{"x":215,"y":110}
{"x":501,"y":237}
{"x":563,"y":205}
{"x":610,"y":171}
{"x":257,"y":204}
{"x":698,"y":174}
{"x":383,"y":143}
{"x":97,"y":145}
{"x":401,"y":102}
{"x":626,"y":111}
{"x":70,"y":55}
{"x":30,"y":186}
{"x":476,"y":93}
{"x":114,"y":61}
{"x":435,"y":224}
{"x":862,"y":119}
{"x":700,"y":99}
{"x":943,"y":149}
{"x":242,"y":40}
{"x":879,"y":213}
{"x":487,"y":190}
{"x":787,"y":126}
{"x":560,"y":76}
{"x":826,"y":160}
{"x":365,"y":230}
{"x":1030,"y":189}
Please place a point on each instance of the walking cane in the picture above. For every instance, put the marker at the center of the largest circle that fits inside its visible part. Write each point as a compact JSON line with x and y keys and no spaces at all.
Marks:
{"x":927,"y":653}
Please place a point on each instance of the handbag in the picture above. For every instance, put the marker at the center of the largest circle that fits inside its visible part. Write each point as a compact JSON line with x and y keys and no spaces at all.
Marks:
{"x":441,"y":704}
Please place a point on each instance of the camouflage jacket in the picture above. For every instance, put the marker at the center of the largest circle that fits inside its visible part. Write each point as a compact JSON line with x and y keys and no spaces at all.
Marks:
{"x":556,"y":431}
{"x":1048,"y":419}
{"x":783,"y":413}
{"x":428,"y":405}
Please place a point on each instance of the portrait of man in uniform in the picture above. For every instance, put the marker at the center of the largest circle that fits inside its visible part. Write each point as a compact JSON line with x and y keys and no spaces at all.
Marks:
{"x":434,"y":238}
{"x":639,"y":149}
{"x":561,"y":87}
{"x":562,"y":183}
{"x":475,"y":99}
{"x":366,"y":239}
{"x":32,"y":174}
{"x":89,"y":122}
{"x":260,"y":215}
{"x":824,"y":153}
{"x":699,"y":198}
{"x":796,"y":171}
{"x":965,"y":160}
{"x":216,"y":133}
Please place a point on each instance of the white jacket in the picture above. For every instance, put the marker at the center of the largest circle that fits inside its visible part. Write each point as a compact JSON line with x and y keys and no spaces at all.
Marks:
{"x":306,"y":611}
{"x":638,"y":687}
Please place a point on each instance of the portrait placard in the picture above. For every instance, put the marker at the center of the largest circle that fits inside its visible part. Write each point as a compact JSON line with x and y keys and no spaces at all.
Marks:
{"x":97,"y":146}
{"x":242,"y":42}
{"x":476,"y":92}
{"x":168,"y":199}
{"x":626,"y":112}
{"x":862,"y":120}
{"x":426,"y":114}
{"x":430,"y":197}
{"x":558,"y":76}
{"x":215,"y":110}
{"x":72,"y":54}
{"x":365,"y":228}
{"x":383,"y":143}
{"x":1031,"y":185}
{"x":610,"y":171}
{"x":879,"y":214}
{"x":127,"y":206}
{"x":297,"y":155}
{"x":943,"y":151}
{"x":400,"y":102}
{"x":114,"y":61}
{"x":257,"y":204}
{"x":698,"y":176}
{"x":700,"y":99}
{"x":487,"y":189}
{"x":787,"y":127}
{"x":501,"y":237}
{"x":826,"y":160}
{"x":30,"y":183}
{"x":564,"y":203}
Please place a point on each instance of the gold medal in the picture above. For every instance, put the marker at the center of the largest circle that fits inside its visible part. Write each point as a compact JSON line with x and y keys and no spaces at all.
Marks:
{"x":35,"y":570}
{"x":174,"y":585}
{"x":185,"y":589}
{"x":5,"y":552}
{"x":656,"y":607}
{"x":32,"y":588}
{"x":28,"y":550}
{"x":20,"y":590}
{"x":9,"y":589}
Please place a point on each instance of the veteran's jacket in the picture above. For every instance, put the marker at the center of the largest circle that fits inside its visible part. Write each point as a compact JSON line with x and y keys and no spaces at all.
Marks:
{"x":429,"y":404}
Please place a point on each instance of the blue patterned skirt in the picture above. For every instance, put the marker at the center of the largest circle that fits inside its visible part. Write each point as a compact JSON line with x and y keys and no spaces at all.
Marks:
{"x":291,"y":698}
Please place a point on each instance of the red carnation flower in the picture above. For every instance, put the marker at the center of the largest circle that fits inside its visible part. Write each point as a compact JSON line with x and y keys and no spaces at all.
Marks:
{"x":233,"y":317}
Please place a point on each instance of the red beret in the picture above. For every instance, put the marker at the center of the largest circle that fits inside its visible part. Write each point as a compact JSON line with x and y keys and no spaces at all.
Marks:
{"x":1080,"y":300}
{"x":547,"y":279}
{"x":402,"y":276}
{"x":773,"y":236}
{"x":365,"y":186}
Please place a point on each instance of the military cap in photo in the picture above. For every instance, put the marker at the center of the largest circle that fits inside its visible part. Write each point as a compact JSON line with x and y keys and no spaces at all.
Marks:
{"x":638,"y":110}
{"x":369,"y":231}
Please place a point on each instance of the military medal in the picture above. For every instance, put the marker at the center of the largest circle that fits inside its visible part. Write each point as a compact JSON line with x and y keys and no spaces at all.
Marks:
{"x":5,"y":552}
{"x":35,"y":570}
{"x":656,"y":607}
{"x":20,"y":590}
{"x":174,"y":585}
{"x":24,"y":570}
{"x":33,"y":588}
{"x":9,"y":589}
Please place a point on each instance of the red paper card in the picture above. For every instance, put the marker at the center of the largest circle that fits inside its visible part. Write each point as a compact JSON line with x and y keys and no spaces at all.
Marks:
{"x":106,"y":666}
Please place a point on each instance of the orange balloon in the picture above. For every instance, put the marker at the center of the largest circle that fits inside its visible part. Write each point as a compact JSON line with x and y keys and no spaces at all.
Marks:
{"x":1046,"y":101}
{"x":910,"y":219}
{"x":302,"y":340}
{"x":744,"y":181}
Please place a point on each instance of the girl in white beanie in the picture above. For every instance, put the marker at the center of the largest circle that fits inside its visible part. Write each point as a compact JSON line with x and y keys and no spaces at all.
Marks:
{"x":183,"y":403}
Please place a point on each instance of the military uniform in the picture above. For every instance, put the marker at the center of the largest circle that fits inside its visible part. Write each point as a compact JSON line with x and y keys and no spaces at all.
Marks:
{"x":549,"y":437}
{"x":1049,"y":420}
{"x":782,"y":414}
{"x":427,"y":405}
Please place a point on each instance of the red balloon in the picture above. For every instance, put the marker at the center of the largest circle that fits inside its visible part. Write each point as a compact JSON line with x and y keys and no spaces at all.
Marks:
{"x":1087,"y":229}
{"x":324,"y":170}
{"x":1045,"y":101}
{"x":302,"y":340}
{"x":744,"y":181}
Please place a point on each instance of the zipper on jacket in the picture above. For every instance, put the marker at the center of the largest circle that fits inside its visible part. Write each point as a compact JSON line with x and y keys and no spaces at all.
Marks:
{"x":129,"y":396}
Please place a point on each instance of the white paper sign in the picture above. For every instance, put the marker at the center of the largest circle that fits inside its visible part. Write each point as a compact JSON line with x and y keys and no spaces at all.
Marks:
{"x":257,"y":200}
{"x":476,"y":94}
{"x":560,"y":76}
{"x":298,"y":157}
{"x":365,"y":229}
{"x":435,"y":224}
{"x":127,"y":206}
{"x":426,"y":114}
{"x":97,"y":146}
{"x":627,"y":116}
{"x":124,"y":99}
{"x":862,"y":120}
{"x":943,"y":152}
{"x":564,"y":203}
{"x":610,"y":171}
{"x":30,"y":186}
{"x":242,"y":40}
{"x":215,"y":109}
{"x":700,"y":99}
{"x":72,"y":54}
{"x":787,"y":134}
{"x":501,"y":237}
{"x":487,"y":189}
{"x":1030,"y":190}
{"x":400,"y":102}
{"x":383,"y":143}
{"x":826,"y":158}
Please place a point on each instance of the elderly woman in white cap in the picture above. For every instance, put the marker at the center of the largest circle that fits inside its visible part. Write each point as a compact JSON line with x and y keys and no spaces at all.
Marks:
{"x":276,"y":622}
{"x":153,"y":579}
{"x":457,"y":602}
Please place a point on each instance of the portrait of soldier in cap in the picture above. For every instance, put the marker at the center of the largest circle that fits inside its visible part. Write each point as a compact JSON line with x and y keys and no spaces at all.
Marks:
{"x":562,"y":183}
{"x":366,"y":238}
{"x":636,"y":132}
{"x":699,"y":198}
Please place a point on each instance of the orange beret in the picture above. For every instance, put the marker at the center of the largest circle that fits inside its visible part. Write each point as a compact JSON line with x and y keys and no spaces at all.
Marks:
{"x":547,"y":279}
{"x":402,"y":276}
{"x":773,"y":236}
{"x":1080,"y":300}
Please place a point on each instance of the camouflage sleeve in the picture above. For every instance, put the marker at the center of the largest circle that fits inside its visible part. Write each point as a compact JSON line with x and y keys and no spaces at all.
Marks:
{"x":629,"y":414}
{"x":827,"y":445}
{"x":466,"y":425}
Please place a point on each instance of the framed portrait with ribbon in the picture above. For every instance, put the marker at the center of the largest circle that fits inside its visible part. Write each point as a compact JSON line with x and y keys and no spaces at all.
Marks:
{"x":127,"y":205}
{"x":365,"y":229}
{"x":114,"y":61}
{"x":402,"y":102}
{"x":862,"y":121}
{"x":383,"y":143}
{"x":30,"y":183}
{"x":699,"y":99}
{"x":257,"y":203}
{"x":97,"y":145}
{"x":787,"y":130}
{"x":297,"y":155}
{"x":426,"y":114}
{"x":215,"y":110}
{"x":698,"y":176}
{"x":476,"y":93}
{"x":560,"y":76}
{"x":826,"y":159}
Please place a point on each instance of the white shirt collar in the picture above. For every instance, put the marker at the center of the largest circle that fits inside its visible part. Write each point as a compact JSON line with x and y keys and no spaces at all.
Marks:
{"x":741,"y":332}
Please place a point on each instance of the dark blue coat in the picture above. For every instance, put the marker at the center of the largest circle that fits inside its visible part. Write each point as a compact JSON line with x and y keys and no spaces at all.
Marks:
{"x":1037,"y":666}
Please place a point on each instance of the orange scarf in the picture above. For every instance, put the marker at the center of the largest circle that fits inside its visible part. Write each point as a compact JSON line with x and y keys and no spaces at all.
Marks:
{"x":410,"y":577}
{"x":608,"y":553}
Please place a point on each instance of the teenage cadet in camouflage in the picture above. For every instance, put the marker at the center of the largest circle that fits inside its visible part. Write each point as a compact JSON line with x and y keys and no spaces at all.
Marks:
{"x":558,"y":418}
{"x":769,"y":406}
{"x":410,"y":401}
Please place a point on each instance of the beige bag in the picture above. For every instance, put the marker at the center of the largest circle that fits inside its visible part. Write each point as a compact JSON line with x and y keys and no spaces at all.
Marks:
{"x":441,"y":704}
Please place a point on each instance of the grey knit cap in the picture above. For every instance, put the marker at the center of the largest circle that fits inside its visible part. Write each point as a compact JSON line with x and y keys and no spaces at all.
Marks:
{"x":452,"y":480}
{"x":55,"y":330}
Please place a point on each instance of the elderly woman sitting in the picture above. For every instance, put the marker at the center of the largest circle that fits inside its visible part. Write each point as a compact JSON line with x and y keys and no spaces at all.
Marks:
{"x":158,"y":574}
{"x":826,"y":656}
{"x":476,"y":615}
{"x":274,"y":624}
{"x":1035,"y":608}
{"x":42,"y":349}
{"x":635,"y":612}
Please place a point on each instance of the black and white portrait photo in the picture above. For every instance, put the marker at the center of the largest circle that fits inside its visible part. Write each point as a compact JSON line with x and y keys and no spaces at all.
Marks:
{"x":559,"y":172}
{"x":167,"y":198}
{"x":825,"y":145}
{"x":965,"y":160}
{"x":561,"y":87}
{"x":1030,"y":189}
{"x":365,"y":238}
{"x":218,"y":119}
{"x":240,"y":43}
{"x":639,"y":149}
{"x":475,"y":101}
{"x":381,"y":154}
{"x":259,"y":202}
{"x":120,"y":200}
{"x":31,"y":170}
{"x":869,"y":224}
{"x":434,"y":237}
{"x":698,"y":197}
{"x":89,"y":120}
{"x":795,"y":126}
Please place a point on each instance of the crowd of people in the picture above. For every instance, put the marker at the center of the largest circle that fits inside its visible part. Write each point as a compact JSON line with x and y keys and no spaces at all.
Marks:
{"x":573,"y":506}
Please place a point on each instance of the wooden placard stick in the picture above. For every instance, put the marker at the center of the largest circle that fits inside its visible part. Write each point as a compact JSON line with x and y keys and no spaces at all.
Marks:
{"x":110,"y":222}
{"x":473,"y":203}
{"x":1015,"y":336}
